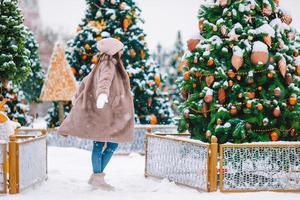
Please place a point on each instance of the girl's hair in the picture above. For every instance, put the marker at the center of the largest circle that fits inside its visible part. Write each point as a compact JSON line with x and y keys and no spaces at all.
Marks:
{"x":120,"y":67}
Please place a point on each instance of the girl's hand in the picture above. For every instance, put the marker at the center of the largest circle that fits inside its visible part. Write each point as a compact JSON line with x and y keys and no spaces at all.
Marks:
{"x":101,"y":100}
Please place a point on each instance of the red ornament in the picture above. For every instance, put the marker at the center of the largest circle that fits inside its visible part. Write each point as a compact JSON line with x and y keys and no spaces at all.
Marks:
{"x":192,"y":43}
{"x":277,"y":112}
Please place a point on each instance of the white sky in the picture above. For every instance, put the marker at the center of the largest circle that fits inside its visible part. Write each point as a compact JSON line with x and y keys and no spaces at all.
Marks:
{"x":163,"y":18}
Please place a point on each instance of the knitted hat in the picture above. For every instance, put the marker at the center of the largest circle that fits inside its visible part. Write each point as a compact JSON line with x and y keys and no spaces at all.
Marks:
{"x":109,"y":46}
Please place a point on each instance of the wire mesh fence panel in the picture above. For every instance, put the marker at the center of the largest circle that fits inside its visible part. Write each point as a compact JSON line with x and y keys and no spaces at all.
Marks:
{"x":262,"y":167}
{"x":137,"y":146}
{"x":32,"y":162}
{"x":164,"y":129}
{"x":3,"y":152}
{"x":178,"y":160}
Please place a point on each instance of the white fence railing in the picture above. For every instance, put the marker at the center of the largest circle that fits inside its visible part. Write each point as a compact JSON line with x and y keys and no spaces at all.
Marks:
{"x":137,"y":146}
{"x":27,"y":159}
{"x":3,"y":167}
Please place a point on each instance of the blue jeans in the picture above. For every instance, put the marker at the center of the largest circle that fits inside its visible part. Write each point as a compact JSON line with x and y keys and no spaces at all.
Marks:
{"x":101,"y":158}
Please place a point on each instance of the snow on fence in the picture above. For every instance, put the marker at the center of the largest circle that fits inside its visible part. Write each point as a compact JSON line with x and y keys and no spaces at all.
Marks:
{"x":3,"y":167}
{"x":182,"y":160}
{"x":137,"y":146}
{"x":260,"y":167}
{"x":27,"y":159}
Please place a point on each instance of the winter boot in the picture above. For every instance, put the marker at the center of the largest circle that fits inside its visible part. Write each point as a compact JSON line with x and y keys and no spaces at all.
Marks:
{"x":97,"y":181}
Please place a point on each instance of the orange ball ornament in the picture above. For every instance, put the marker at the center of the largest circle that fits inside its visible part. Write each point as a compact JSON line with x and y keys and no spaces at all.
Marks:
{"x":293,"y":100}
{"x":74,"y":71}
{"x":210,"y":62}
{"x":270,"y":75}
{"x":259,"y":107}
{"x":94,"y":59}
{"x":274,"y":136}
{"x":143,"y":54}
{"x":277,"y":112}
{"x":208,"y":98}
{"x":298,"y":70}
{"x":87,"y":47}
{"x":157,"y":80}
{"x":84,"y":57}
{"x":259,"y":57}
{"x":248,"y":104}
{"x":251,"y":95}
{"x":3,"y":118}
{"x":125,"y":24}
{"x":259,"y":88}
{"x":153,"y":119}
{"x":231,"y":74}
{"x":98,"y":38}
{"x":186,"y":75}
{"x":233,"y":110}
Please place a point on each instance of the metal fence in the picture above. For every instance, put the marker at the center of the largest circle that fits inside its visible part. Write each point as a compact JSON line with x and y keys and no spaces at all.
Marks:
{"x":182,"y":160}
{"x":137,"y":146}
{"x":260,"y":167}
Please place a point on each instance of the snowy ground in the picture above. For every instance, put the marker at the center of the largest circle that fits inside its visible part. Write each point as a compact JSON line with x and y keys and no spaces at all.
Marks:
{"x":69,"y":170}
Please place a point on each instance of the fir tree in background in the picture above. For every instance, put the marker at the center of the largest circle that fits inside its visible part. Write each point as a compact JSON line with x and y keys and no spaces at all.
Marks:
{"x":21,"y":95}
{"x":32,"y":86}
{"x":121,"y":20}
{"x":175,"y":73}
{"x":14,"y":57}
{"x":241,"y":82}
{"x":14,"y":60}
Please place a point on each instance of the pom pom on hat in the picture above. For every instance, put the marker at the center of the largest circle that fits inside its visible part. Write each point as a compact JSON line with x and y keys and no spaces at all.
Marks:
{"x":109,"y":46}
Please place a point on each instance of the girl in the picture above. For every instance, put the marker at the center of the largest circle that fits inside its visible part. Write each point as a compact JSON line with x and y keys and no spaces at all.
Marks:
{"x":103,"y":109}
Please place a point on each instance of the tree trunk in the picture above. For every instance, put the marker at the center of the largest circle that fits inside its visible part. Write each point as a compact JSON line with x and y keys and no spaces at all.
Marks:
{"x":61,"y":111}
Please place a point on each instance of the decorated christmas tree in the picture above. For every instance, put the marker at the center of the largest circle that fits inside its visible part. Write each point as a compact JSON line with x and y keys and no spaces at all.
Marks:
{"x":121,"y":20}
{"x":175,"y":72}
{"x":60,"y":85}
{"x":241,"y":80}
{"x":17,"y":106}
{"x":21,"y":95}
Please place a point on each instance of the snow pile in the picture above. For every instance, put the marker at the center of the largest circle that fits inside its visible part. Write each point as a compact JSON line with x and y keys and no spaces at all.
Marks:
{"x":266,"y":29}
{"x":238,"y":51}
{"x":259,"y":46}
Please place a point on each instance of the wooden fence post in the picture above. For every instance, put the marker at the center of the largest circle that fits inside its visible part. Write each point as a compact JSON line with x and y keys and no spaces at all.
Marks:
{"x":13,"y":165}
{"x":212,"y":164}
